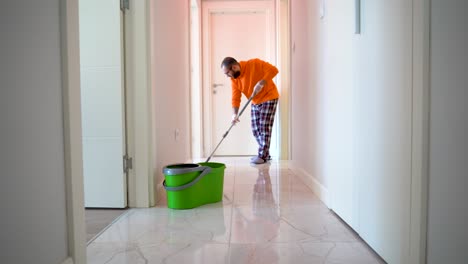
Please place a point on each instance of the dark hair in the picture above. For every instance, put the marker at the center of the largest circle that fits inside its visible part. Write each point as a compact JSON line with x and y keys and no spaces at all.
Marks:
{"x":228,"y":61}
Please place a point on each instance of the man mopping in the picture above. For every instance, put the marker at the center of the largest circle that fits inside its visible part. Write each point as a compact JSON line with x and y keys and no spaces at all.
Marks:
{"x":254,"y":78}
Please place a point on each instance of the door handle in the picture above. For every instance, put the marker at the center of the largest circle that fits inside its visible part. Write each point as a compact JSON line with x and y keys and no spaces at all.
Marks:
{"x":217,"y":84}
{"x":357,"y":17}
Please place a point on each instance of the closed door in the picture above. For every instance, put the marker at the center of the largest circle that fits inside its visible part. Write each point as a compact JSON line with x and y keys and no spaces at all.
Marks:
{"x":243,"y":31}
{"x":102,"y":97}
{"x":384,"y":126}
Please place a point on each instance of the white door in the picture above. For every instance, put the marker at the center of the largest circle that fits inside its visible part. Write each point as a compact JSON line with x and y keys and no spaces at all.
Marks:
{"x":242,"y":30}
{"x":383,"y":126}
{"x":102,"y":100}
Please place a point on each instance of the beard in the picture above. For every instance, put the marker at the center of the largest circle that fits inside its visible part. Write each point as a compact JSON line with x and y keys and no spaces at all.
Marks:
{"x":236,"y":74}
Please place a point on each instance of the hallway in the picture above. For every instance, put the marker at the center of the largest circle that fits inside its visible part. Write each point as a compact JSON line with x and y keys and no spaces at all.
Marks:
{"x":268,"y":215}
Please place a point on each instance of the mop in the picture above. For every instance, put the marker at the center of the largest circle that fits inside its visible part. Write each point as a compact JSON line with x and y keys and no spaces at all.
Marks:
{"x":232,"y":124}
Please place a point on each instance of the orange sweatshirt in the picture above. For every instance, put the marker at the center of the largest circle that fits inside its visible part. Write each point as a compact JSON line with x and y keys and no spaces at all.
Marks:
{"x":252,"y":71}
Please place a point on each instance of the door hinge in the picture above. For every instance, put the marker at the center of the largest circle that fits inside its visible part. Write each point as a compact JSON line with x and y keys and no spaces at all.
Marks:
{"x":124,"y":5}
{"x":127,"y":163}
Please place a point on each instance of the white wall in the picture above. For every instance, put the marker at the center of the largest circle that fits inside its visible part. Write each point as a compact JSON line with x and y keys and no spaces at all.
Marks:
{"x":33,"y":221}
{"x":448,"y":169}
{"x":170,"y":75}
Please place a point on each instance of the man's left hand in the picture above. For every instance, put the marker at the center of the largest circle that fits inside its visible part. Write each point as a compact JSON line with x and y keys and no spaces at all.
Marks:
{"x":258,"y":87}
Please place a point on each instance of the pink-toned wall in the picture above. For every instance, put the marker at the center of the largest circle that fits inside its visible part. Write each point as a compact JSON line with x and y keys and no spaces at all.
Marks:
{"x":170,"y":83}
{"x":306,"y":87}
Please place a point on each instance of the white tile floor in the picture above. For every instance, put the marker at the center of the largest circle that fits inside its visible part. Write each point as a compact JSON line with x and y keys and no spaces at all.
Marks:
{"x":268,"y":215}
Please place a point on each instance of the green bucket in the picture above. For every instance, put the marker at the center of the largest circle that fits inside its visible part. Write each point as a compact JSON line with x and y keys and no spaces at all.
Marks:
{"x":192,"y":185}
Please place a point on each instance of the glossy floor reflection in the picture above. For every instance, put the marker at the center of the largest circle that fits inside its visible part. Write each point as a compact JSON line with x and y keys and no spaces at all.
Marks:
{"x":268,"y":215}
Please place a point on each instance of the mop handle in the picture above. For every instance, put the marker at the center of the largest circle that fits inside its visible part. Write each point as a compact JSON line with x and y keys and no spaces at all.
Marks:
{"x":246,"y":104}
{"x":227,"y":132}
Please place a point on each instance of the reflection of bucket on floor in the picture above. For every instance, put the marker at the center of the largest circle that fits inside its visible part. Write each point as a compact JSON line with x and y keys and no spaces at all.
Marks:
{"x":191,"y":185}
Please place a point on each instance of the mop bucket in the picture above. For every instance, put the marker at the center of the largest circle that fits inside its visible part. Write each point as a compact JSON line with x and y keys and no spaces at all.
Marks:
{"x":192,"y":185}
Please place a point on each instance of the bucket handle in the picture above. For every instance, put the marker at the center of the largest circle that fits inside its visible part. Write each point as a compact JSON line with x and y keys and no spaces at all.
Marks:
{"x":205,"y":171}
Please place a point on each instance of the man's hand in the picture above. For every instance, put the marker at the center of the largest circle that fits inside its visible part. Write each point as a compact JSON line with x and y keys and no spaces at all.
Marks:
{"x":258,"y":87}
{"x":235,"y":119}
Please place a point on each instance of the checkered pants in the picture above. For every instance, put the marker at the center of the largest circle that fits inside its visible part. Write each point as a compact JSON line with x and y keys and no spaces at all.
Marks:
{"x":263,"y":116}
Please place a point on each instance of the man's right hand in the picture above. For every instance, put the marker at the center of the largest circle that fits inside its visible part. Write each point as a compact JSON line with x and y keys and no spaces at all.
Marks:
{"x":235,"y":119}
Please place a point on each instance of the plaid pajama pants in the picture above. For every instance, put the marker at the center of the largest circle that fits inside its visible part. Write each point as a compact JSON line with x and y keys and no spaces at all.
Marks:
{"x":263,"y":116}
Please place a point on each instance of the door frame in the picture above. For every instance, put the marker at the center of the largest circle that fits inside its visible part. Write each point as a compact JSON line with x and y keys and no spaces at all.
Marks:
{"x":283,"y":55}
{"x":420,"y":131}
{"x":139,"y":131}
{"x":207,"y":108}
{"x":73,"y":151}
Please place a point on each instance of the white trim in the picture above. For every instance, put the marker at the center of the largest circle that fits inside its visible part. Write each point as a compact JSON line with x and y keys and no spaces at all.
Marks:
{"x":72,"y":131}
{"x":420,"y":131}
{"x":317,"y":188}
{"x":283,"y":29}
{"x":139,"y":104}
{"x":68,"y":261}
{"x":196,"y":92}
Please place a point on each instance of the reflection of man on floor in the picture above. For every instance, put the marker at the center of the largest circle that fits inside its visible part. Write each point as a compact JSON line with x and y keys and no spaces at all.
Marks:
{"x":262,"y":198}
{"x":264,"y":207}
{"x":262,"y":224}
{"x":266,"y":212}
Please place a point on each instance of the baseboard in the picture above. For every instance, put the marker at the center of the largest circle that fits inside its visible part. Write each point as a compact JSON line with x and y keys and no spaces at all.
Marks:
{"x":69,"y":260}
{"x":316,"y":187}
